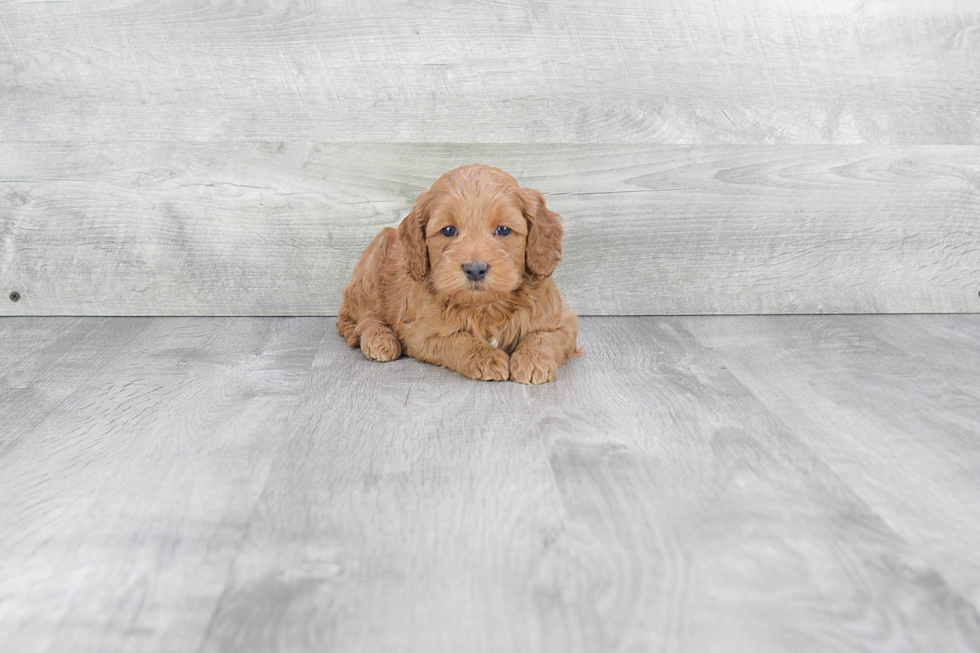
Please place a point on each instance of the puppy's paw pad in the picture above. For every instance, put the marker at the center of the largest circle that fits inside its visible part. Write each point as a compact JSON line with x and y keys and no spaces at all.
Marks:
{"x":380,"y":345}
{"x":532,"y":368}
{"x":491,"y":365}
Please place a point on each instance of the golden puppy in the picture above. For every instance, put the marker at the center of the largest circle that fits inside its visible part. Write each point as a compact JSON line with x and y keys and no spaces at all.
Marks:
{"x":465,"y":283}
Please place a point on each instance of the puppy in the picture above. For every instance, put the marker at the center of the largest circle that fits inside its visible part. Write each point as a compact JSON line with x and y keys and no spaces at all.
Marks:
{"x":465,"y":283}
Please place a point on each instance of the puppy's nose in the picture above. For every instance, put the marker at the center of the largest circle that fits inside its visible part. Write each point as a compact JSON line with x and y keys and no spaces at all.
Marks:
{"x":476,"y":270}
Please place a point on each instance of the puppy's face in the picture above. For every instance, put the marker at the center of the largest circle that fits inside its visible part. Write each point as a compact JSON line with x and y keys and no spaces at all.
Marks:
{"x":476,"y":234}
{"x":475,"y":241}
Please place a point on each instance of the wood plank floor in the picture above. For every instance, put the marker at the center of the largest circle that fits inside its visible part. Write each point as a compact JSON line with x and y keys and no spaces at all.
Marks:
{"x":806,"y":483}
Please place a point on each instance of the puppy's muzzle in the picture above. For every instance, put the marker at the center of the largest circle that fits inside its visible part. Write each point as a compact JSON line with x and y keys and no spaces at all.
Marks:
{"x":476,"y":270}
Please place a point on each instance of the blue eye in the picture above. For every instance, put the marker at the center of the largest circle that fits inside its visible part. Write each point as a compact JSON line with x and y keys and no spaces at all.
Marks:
{"x":448,"y":232}
{"x":503,"y":231}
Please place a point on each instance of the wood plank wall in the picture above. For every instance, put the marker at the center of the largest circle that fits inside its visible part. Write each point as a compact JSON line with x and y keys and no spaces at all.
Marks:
{"x":739,"y":156}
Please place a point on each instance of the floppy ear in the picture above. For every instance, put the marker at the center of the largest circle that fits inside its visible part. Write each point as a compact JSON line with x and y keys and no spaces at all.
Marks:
{"x":411,"y":232}
{"x":543,"y":251}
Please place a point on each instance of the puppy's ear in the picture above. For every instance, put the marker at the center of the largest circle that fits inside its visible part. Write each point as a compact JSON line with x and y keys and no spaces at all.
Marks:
{"x":411,"y":232}
{"x":543,"y":251}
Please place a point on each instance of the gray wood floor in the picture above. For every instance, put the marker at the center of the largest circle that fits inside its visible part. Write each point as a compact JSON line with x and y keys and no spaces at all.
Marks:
{"x":692,"y":484}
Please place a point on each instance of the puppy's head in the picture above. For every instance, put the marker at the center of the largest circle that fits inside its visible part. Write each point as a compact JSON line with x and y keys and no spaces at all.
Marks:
{"x":476,"y":235}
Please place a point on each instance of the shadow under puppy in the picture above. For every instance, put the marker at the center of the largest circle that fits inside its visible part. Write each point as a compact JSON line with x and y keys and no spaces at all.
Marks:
{"x":465,"y":283}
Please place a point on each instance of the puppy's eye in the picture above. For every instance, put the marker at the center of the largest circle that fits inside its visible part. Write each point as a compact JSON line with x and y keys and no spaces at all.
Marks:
{"x":448,"y":232}
{"x":502,"y":231}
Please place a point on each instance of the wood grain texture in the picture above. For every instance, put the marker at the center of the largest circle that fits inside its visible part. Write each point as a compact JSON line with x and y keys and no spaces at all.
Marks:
{"x":862,"y":392}
{"x":131,"y":457}
{"x":253,"y":484}
{"x":766,"y":71}
{"x":275,"y":228}
{"x":774,"y":156}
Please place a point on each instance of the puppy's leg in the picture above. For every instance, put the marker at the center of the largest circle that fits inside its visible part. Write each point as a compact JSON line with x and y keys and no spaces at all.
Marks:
{"x":378,"y":341}
{"x":539,"y":354}
{"x":347,"y":328}
{"x":465,"y":353}
{"x":359,"y":320}
{"x":348,"y":316}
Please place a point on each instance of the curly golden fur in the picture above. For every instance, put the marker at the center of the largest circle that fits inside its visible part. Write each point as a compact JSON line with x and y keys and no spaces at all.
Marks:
{"x":465,"y":283}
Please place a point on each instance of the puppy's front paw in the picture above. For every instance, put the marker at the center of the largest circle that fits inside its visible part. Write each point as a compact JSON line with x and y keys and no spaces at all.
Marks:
{"x":380,"y":344}
{"x":487,"y":365}
{"x":529,"y":366}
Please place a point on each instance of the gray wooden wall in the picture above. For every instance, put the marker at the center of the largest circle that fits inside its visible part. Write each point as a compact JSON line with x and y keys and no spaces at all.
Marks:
{"x":739,"y":156}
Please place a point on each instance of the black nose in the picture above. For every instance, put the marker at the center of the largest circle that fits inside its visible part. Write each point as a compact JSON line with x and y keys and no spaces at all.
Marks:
{"x":476,"y":271}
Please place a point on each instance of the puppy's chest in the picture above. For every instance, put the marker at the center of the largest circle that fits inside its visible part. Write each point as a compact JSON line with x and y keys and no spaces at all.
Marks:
{"x":501,"y":339}
{"x":505,"y":335}
{"x":499,"y":334}
{"x":500,"y":327}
